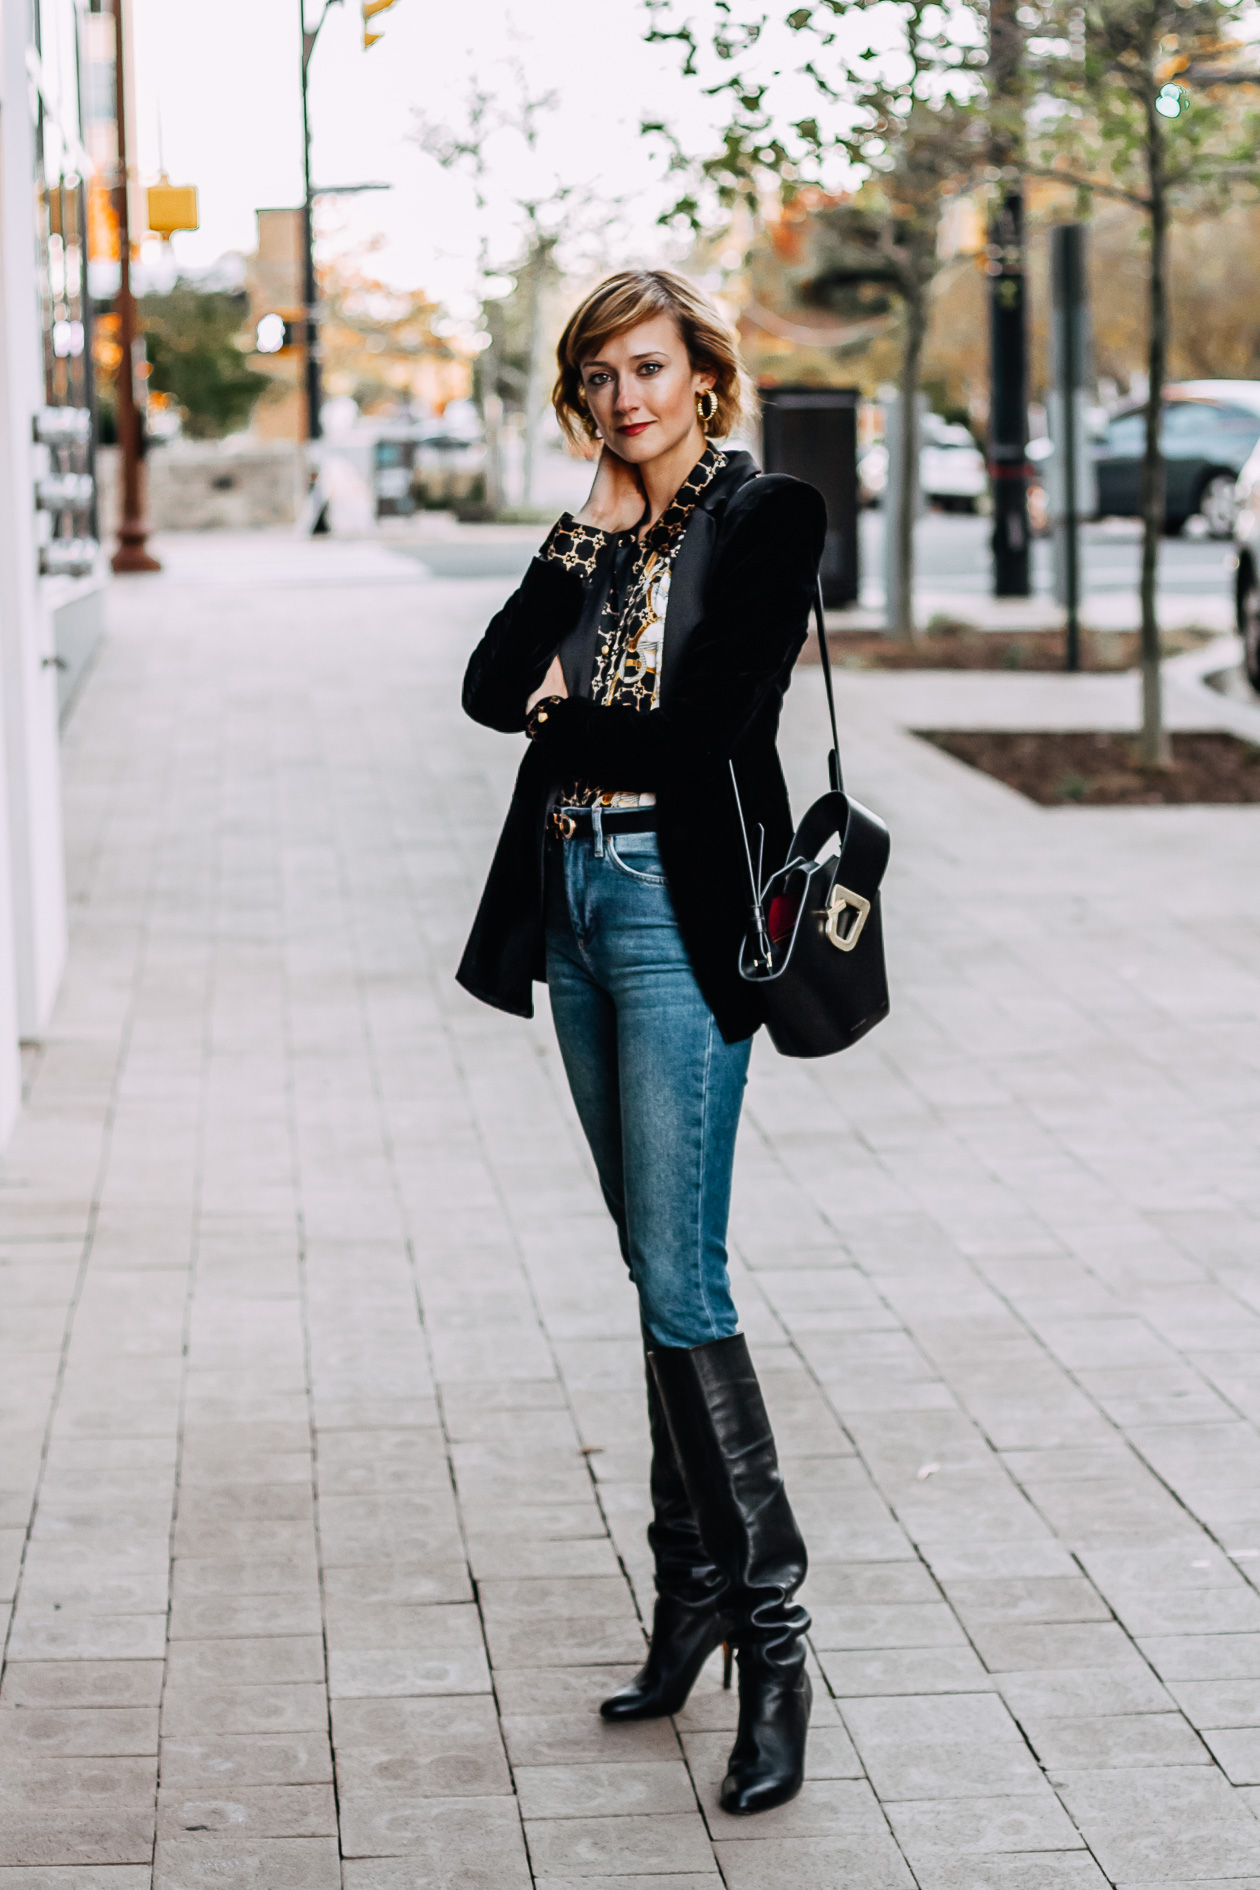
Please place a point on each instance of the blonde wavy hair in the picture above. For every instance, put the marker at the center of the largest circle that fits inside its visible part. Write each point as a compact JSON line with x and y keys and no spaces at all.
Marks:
{"x":622,"y":302}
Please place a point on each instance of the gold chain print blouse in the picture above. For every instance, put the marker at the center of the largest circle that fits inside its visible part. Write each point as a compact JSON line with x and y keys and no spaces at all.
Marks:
{"x":627,"y":667}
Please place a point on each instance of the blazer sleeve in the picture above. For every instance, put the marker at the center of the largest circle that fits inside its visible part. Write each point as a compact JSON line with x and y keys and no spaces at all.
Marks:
{"x":512,"y":657}
{"x":756,"y":618}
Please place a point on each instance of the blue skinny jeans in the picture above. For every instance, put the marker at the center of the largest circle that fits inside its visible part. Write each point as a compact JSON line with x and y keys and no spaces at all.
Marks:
{"x":657,"y":1088}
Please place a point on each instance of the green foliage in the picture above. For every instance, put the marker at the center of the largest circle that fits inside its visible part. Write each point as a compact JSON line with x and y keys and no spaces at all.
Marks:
{"x":190,"y":337}
{"x":883,"y":99}
{"x":852,"y":277}
{"x":898,"y":114}
{"x":1144,"y":100}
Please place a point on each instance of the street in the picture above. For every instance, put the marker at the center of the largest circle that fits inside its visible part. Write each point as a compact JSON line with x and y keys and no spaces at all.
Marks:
{"x":953,"y":555}
{"x":952,"y":552}
{"x":325,"y":1459}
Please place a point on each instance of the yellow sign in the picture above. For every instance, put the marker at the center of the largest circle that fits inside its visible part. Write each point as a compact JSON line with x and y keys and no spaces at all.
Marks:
{"x":172,"y":207}
{"x":370,"y":9}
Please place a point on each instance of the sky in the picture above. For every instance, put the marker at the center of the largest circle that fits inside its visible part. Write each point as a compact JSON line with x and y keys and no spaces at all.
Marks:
{"x":217,"y":93}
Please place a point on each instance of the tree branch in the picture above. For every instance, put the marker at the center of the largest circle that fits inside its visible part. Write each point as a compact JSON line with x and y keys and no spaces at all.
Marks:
{"x":1204,"y":76}
{"x":1099,"y":189}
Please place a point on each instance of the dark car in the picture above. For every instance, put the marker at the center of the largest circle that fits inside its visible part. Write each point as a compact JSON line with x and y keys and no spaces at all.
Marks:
{"x":1205,"y":444}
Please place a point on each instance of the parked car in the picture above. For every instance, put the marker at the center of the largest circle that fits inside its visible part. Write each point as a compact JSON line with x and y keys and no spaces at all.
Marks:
{"x":1247,"y":576}
{"x":1206,"y":437}
{"x":951,"y":467}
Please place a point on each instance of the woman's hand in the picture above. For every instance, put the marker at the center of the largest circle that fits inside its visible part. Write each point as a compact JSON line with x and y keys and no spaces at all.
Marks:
{"x":616,"y":499}
{"x":552,"y":684}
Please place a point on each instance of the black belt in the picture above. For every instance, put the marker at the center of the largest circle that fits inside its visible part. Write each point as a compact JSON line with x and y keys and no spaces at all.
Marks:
{"x":574,"y":822}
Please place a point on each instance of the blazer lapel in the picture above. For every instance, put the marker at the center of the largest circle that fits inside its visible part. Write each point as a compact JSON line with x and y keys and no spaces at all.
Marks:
{"x":689,"y":577}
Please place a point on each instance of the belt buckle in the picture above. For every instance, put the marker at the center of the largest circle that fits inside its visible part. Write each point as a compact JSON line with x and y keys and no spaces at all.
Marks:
{"x":565,"y":824}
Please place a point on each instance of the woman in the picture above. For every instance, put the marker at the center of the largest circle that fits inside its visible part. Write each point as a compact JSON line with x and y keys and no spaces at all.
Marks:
{"x":645,"y":655}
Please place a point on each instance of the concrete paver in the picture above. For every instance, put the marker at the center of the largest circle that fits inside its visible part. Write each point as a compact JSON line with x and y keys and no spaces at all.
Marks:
{"x":322,"y":1445}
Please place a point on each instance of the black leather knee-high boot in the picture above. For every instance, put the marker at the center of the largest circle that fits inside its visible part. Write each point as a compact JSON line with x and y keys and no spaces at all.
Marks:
{"x":689,"y":1620}
{"x":730,"y":1468}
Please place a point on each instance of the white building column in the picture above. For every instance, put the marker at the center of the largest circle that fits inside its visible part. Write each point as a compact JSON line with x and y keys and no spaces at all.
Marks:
{"x":32,"y":860}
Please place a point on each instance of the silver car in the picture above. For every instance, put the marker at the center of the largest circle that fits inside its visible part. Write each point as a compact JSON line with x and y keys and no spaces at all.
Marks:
{"x":952,"y":471}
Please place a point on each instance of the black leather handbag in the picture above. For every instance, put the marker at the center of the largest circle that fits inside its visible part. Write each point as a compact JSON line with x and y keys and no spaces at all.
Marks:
{"x":815,"y":944}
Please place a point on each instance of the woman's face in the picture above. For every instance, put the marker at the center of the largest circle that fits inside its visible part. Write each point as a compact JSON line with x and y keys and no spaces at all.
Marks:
{"x":641,"y":390}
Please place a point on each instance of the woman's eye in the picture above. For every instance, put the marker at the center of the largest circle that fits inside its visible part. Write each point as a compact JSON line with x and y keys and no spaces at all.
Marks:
{"x":596,"y":380}
{"x":651,"y":367}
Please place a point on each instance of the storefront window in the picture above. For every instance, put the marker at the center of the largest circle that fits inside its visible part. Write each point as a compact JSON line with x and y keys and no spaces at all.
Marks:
{"x":65,"y":487}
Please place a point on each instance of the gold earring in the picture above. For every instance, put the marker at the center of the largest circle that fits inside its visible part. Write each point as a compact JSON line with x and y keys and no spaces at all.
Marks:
{"x":706,"y":407}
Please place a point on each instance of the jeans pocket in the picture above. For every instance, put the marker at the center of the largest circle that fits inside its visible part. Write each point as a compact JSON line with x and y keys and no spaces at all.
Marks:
{"x":637,"y":855}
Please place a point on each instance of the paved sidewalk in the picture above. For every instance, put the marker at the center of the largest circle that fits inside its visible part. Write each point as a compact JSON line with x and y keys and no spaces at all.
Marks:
{"x":1105,"y":610}
{"x":323,"y":1452}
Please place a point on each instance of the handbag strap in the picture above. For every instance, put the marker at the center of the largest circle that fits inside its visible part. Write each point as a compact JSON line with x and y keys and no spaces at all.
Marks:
{"x":833,"y":759}
{"x":833,"y":763}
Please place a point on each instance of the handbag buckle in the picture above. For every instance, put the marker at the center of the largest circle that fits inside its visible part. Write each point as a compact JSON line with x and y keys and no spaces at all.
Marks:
{"x":839,"y":901}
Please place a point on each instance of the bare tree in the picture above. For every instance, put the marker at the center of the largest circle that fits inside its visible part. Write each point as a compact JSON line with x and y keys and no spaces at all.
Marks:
{"x":494,"y":142}
{"x":904,"y":114}
{"x":463,"y":148}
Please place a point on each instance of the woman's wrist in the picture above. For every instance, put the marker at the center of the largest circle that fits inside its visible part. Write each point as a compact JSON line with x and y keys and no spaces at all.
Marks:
{"x":558,"y":724}
{"x":539,"y":716}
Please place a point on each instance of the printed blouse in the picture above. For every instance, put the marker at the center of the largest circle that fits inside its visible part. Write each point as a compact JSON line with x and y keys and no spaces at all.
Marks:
{"x":627,"y":669}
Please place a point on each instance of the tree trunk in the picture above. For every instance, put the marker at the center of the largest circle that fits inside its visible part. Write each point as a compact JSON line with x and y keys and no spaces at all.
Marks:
{"x":1154,"y":750}
{"x":534,"y":375}
{"x":901,"y":623}
{"x":491,"y":416}
{"x":492,"y":419}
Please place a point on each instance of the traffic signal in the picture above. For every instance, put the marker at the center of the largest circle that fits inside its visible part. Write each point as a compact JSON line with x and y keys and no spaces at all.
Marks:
{"x":278,"y":334}
{"x":370,"y":9}
{"x":172,"y":207}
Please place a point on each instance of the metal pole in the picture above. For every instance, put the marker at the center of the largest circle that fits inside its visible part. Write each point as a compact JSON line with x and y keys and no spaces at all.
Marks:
{"x":133,"y":529}
{"x":890,"y":510}
{"x":898,"y":491}
{"x":1071,"y":532}
{"x":311,"y":341}
{"x":1008,"y":410}
{"x":1008,"y":326}
{"x":1067,"y":262}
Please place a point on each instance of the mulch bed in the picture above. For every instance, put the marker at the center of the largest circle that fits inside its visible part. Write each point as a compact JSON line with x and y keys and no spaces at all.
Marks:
{"x":949,"y":643}
{"x":1094,"y":769}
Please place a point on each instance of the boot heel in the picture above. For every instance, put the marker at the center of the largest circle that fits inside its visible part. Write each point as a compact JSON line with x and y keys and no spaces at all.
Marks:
{"x":728,"y":1654}
{"x":683,"y":1639}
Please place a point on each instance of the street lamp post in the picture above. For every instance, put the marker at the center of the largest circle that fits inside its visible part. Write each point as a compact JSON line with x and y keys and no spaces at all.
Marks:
{"x":1008,"y":411}
{"x":1008,"y":320}
{"x":309,"y":290}
{"x":314,"y":393}
{"x":133,"y":528}
{"x":1069,"y":354}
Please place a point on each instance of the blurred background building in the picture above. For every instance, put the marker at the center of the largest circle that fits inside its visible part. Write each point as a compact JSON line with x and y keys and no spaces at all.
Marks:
{"x":55,"y":87}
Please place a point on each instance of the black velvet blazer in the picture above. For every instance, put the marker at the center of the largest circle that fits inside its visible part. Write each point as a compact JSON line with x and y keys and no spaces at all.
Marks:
{"x":740,"y":595}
